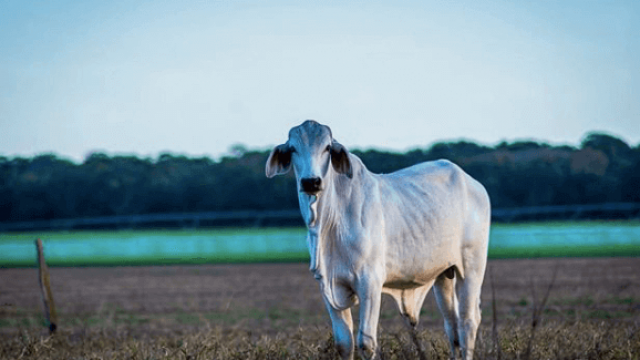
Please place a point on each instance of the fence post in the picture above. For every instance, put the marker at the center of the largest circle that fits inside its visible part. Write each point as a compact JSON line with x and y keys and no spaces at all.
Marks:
{"x":45,"y":288}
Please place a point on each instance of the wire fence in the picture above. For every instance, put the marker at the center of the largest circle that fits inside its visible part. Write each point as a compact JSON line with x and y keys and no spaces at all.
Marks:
{"x":612,"y":211}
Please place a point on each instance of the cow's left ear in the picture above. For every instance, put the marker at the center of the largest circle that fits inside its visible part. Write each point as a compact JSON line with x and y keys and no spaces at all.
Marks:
{"x":340,"y":159}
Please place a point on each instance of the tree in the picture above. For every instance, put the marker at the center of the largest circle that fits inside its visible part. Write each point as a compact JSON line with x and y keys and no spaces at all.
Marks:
{"x":525,"y":173}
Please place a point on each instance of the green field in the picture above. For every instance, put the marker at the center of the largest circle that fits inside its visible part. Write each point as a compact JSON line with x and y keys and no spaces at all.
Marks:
{"x":148,"y":247}
{"x":155,"y":247}
{"x":565,"y":239}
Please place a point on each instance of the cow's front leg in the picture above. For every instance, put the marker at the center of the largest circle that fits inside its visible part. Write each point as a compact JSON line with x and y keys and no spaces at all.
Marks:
{"x":370,"y":299}
{"x":342,"y":325}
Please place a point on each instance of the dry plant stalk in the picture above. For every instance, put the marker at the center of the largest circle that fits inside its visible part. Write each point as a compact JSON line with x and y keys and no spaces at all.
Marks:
{"x":494,"y":326}
{"x":416,"y":342}
{"x":45,"y":288}
{"x":537,"y":311}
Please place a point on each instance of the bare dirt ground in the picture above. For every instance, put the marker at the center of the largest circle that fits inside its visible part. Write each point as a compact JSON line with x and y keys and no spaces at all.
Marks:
{"x":280,"y":300}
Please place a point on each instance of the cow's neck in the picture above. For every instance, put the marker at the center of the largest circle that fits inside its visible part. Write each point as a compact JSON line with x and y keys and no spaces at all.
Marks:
{"x":324,"y":217}
{"x":332,"y":201}
{"x":317,"y":211}
{"x":326,"y":235}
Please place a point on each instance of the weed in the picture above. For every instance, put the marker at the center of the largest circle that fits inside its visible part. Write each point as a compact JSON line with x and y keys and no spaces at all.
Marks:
{"x":263,"y":322}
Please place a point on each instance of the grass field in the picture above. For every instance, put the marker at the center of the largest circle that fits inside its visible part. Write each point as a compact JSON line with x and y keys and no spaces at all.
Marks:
{"x":274,"y":311}
{"x":202,"y":246}
{"x":156,"y":247}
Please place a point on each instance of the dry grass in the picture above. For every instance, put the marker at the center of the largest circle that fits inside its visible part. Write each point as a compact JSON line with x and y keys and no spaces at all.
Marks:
{"x":592,"y":311}
{"x":580,"y":340}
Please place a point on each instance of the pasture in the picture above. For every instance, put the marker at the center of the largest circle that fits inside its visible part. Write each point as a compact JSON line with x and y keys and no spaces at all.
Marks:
{"x":232,"y":245}
{"x":274,"y":311}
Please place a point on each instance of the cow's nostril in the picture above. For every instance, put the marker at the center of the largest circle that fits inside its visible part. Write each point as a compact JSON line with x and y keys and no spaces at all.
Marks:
{"x":311,"y":185}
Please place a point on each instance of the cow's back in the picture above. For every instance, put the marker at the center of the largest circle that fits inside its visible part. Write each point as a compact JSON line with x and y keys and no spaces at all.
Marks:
{"x":432,"y":192}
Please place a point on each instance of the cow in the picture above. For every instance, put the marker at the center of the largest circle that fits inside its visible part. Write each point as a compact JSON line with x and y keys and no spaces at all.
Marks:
{"x":400,"y":234}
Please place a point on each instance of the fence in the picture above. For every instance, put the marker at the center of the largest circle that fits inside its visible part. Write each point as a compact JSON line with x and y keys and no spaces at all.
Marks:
{"x":613,"y":211}
{"x":193,"y":220}
{"x":293,"y":218}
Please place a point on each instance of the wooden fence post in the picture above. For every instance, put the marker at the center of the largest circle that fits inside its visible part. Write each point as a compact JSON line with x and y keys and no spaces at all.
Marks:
{"x":45,"y":287}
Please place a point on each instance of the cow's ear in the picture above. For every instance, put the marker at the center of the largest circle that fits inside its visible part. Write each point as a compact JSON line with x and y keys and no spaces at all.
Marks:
{"x":340,"y":159}
{"x":279,"y":161}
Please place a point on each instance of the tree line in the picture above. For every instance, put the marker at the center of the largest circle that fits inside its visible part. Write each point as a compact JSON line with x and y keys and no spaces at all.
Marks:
{"x":602,"y":169}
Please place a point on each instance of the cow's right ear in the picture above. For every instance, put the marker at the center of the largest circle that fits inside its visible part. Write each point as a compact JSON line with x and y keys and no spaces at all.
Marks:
{"x":279,"y":161}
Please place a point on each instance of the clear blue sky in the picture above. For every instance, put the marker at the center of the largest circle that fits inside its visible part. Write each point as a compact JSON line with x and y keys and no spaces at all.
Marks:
{"x":196,"y":77}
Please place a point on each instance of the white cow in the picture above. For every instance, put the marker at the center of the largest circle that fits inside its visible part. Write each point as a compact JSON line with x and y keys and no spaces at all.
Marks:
{"x":399,"y":234}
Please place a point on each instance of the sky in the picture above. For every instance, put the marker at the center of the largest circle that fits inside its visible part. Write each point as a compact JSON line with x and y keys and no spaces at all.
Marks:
{"x":198,"y":77}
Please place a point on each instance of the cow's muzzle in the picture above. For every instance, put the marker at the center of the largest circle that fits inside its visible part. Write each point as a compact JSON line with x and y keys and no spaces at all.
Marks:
{"x":311,"y":186}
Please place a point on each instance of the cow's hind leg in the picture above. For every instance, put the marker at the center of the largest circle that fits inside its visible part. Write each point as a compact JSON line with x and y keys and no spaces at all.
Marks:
{"x":342,"y":325}
{"x":444,"y":291}
{"x":468,"y":292}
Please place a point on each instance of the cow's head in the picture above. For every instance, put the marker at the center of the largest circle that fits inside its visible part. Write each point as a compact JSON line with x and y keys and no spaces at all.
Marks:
{"x":313,"y":152}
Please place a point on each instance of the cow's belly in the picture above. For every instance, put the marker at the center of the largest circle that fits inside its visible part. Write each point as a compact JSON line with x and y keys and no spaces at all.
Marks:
{"x":402,"y":284}
{"x":413,"y":278}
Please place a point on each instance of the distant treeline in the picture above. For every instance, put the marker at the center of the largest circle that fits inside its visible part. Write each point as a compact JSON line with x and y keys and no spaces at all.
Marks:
{"x":603,"y":169}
